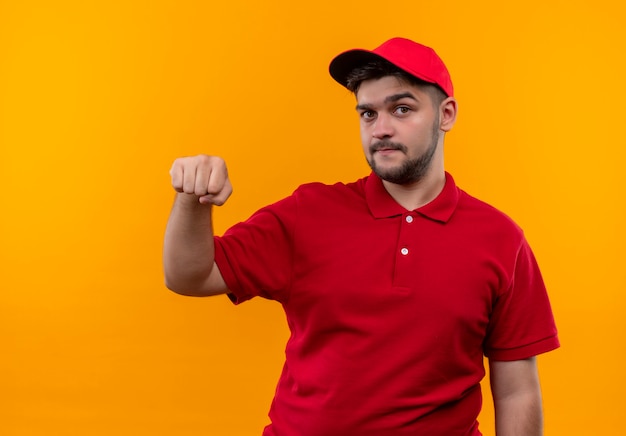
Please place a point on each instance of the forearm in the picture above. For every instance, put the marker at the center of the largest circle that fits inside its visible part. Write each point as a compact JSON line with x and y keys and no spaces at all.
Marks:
{"x":517,"y":397}
{"x":188,"y":250}
{"x":519,"y":415}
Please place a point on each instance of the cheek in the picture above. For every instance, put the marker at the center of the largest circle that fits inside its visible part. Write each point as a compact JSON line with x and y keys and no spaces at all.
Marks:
{"x":366,"y":131}
{"x":365,"y":139}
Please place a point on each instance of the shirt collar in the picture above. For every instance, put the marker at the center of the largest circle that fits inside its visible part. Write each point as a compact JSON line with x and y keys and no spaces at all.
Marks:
{"x":382,"y":205}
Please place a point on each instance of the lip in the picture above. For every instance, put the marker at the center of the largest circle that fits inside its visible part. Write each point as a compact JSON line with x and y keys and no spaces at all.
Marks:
{"x":386,"y":150}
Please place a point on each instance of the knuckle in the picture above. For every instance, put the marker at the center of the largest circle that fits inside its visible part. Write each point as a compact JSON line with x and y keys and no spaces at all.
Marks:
{"x":200,"y":191}
{"x":203,"y":159}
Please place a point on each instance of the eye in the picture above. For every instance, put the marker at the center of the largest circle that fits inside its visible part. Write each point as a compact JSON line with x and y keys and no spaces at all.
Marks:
{"x":368,"y":115}
{"x":402,"y":110}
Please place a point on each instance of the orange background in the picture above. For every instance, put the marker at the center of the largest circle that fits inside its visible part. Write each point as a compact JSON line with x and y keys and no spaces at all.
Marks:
{"x":96,"y":100}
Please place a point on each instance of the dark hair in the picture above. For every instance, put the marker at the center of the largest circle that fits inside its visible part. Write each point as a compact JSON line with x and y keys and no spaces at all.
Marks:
{"x":382,"y":68}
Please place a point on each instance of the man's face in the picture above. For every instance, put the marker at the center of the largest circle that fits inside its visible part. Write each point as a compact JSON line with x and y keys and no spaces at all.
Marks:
{"x":399,"y":129}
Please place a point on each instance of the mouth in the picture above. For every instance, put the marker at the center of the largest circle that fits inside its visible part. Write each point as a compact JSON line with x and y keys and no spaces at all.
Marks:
{"x":386,"y":151}
{"x":387,"y":148}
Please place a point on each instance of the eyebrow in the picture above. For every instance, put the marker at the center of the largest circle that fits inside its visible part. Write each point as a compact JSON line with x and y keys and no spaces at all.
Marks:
{"x":389,"y":99}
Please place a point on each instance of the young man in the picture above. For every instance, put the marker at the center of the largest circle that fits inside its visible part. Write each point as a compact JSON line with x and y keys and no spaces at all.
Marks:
{"x":394,"y":286}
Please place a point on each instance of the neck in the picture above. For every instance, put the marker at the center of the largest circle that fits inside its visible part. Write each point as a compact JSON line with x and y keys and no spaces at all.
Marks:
{"x":417,"y":194}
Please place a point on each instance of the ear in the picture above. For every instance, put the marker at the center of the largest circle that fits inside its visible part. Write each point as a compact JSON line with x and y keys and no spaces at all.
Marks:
{"x":447,"y":114}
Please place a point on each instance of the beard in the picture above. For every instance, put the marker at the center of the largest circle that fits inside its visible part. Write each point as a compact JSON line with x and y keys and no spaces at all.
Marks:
{"x":411,"y":170}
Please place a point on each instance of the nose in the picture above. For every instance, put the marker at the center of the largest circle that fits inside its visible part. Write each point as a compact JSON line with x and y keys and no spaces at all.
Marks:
{"x":383,"y":127}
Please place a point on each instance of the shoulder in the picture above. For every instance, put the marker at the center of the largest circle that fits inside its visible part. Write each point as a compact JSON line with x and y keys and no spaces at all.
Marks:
{"x":331,"y":192}
{"x":485,"y":219}
{"x":469,"y":203}
{"x":315,"y":198}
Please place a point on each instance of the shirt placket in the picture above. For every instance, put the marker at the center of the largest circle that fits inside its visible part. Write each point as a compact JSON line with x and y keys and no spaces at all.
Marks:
{"x":405,"y":252}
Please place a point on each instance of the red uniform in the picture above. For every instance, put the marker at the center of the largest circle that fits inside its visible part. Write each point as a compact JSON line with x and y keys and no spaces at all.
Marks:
{"x":391,"y":311}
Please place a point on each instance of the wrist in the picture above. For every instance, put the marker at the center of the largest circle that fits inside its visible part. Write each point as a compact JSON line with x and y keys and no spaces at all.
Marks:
{"x":191,"y":202}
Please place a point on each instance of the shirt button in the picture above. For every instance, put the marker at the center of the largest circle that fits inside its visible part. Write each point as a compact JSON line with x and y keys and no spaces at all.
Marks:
{"x":409,"y":219}
{"x":404,"y":251}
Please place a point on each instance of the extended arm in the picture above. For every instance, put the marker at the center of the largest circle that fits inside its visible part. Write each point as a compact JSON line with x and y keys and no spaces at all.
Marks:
{"x":517,"y":397}
{"x":188,"y":250}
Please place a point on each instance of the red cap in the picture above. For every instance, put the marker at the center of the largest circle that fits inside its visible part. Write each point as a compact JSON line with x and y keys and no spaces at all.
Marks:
{"x":416,"y":59}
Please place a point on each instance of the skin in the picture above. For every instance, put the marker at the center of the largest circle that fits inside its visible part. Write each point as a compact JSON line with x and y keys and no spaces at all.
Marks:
{"x":188,"y":252}
{"x":517,"y":397}
{"x":400,"y":125}
{"x":402,"y":133}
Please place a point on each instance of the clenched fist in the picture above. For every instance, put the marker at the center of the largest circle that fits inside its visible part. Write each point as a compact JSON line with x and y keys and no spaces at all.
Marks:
{"x":206,"y":177}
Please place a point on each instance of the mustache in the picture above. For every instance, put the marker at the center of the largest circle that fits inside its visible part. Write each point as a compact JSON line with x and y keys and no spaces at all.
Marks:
{"x":385,"y":144}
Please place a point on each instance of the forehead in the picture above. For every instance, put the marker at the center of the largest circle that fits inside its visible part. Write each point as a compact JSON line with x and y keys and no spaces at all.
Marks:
{"x":377,"y":91}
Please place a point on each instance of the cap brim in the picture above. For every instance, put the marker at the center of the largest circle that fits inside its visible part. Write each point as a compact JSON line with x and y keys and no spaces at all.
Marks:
{"x":343,"y":64}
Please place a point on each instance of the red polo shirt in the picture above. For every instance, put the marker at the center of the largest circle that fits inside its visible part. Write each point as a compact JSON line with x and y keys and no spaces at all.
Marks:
{"x":390,"y":310}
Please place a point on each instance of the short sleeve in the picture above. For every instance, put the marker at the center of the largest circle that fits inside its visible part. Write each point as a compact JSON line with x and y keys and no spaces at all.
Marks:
{"x":522,"y":323}
{"x":255,"y":256}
